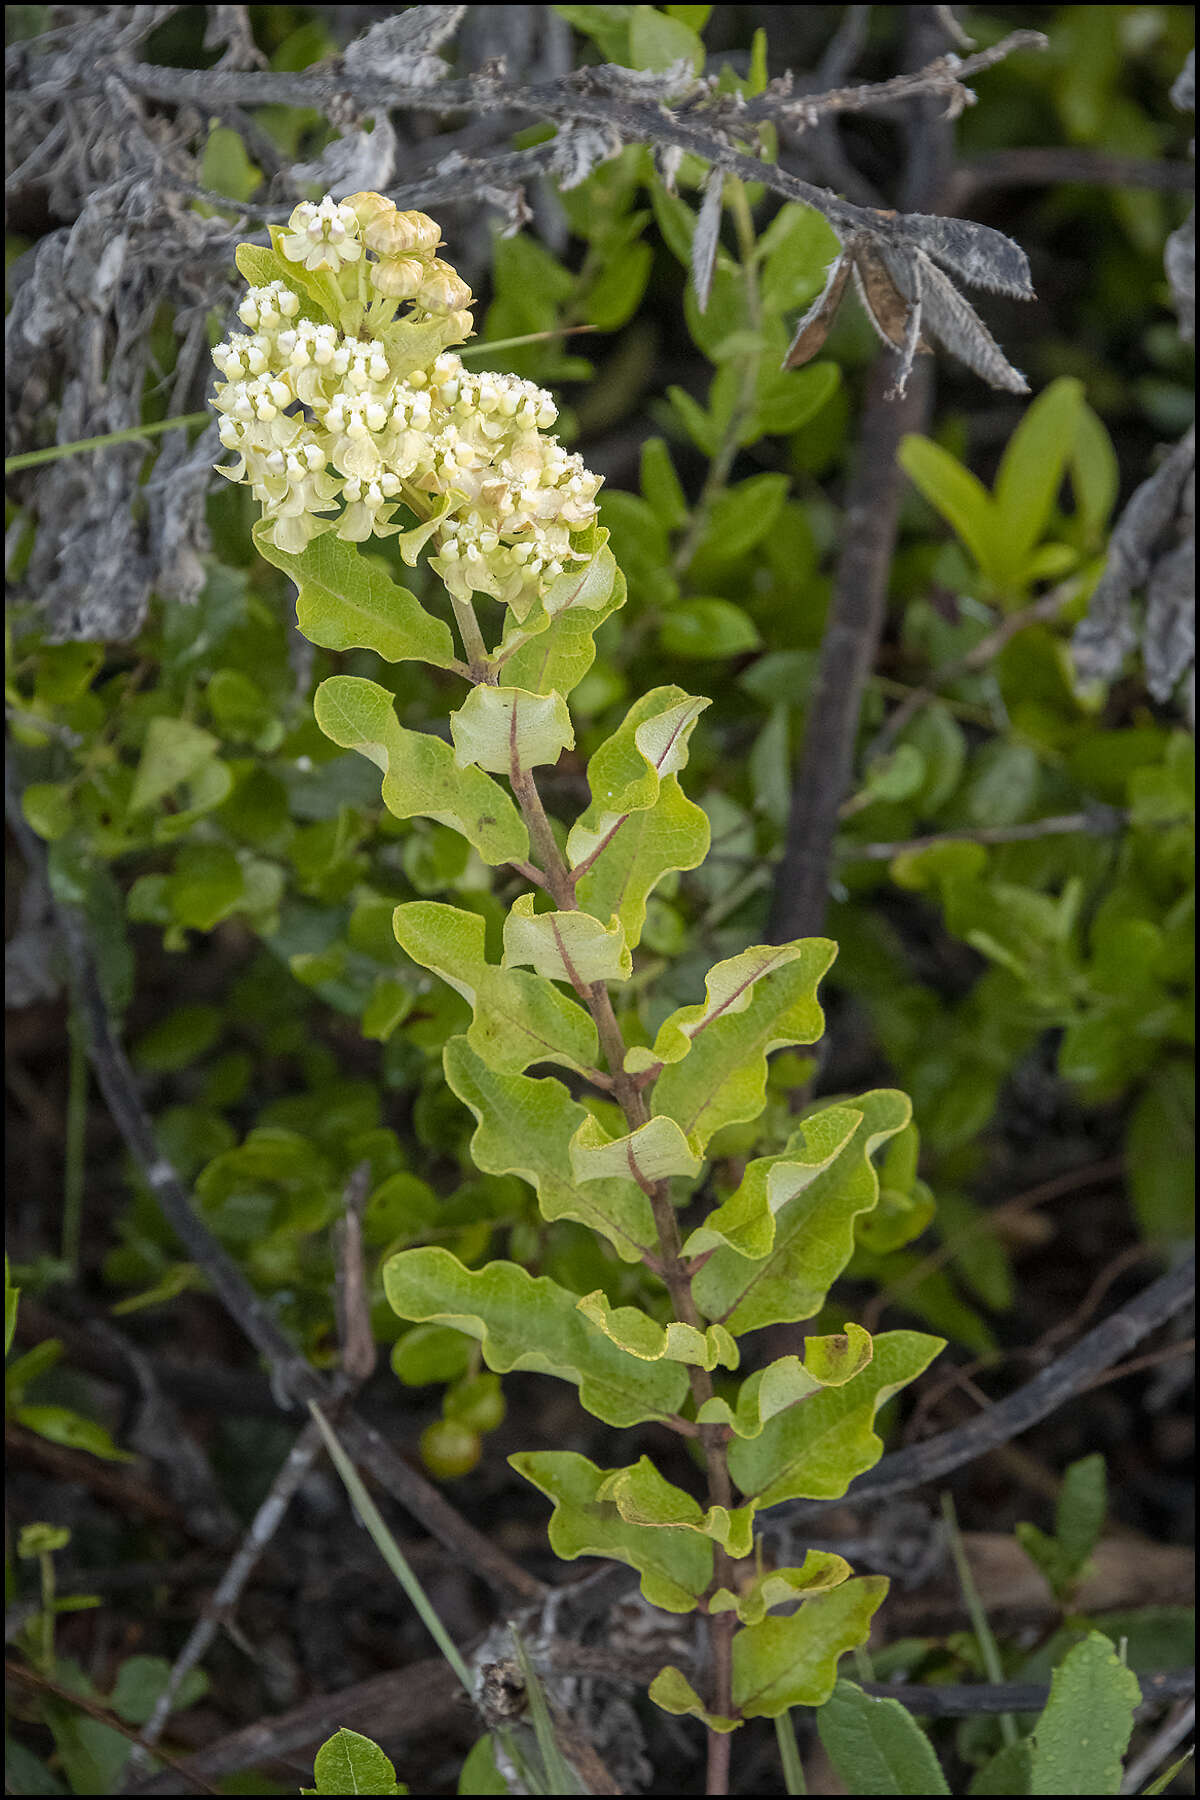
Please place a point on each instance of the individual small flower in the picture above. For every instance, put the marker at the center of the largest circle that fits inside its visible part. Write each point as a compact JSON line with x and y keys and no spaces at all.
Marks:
{"x":322,"y":237}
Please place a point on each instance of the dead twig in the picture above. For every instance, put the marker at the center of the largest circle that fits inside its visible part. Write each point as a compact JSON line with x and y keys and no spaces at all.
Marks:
{"x":1036,"y":1400}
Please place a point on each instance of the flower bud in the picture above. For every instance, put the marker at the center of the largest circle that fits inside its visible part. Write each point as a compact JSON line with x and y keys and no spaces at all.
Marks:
{"x":399,"y":277}
{"x":400,"y":234}
{"x":368,"y":206}
{"x":443,"y":289}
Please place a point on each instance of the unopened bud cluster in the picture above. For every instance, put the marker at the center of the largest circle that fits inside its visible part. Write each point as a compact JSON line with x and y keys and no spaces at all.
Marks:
{"x":323,"y":420}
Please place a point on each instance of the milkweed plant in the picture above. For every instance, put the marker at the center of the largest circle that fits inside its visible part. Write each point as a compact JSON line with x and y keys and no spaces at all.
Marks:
{"x":352,"y":418}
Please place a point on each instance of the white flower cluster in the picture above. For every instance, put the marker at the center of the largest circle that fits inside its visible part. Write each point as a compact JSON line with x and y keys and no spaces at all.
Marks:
{"x":319,"y":417}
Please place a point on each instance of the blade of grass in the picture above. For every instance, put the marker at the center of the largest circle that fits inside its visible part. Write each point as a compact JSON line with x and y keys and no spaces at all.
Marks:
{"x":398,"y":1563}
{"x":559,"y":1777}
{"x":789,"y":1754}
{"x":30,"y":459}
{"x":978,"y":1617}
{"x":390,"y":1550}
{"x":486,"y":345}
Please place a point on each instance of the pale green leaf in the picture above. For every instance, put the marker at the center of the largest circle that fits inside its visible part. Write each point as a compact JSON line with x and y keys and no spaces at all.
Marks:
{"x":644,"y":1497}
{"x":675,"y":1694}
{"x":814,"y":1229}
{"x":745,"y":1222}
{"x":785,"y":1662}
{"x":566,"y":946}
{"x":625,"y":773}
{"x":525,"y":1128}
{"x":1086,"y":1724}
{"x":815,"y":1451}
{"x":828,"y":1362}
{"x":553,"y":655}
{"x":642,"y":1336}
{"x":675,"y":1564}
{"x":346,"y":601}
{"x":728,"y":988}
{"x":520,"y":1018}
{"x":634,"y":854}
{"x":722,"y":1079}
{"x":523,"y":1322}
{"x":419,"y":772}
{"x":876,"y":1745}
{"x":508,"y":729}
{"x":653,"y":1152}
{"x":820,"y":1571}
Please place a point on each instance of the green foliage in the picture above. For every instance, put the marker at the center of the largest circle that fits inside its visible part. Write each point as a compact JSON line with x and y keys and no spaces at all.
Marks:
{"x":348,"y":1763}
{"x":1079,"y":1520}
{"x":876,"y":1746}
{"x":1081,"y":1736}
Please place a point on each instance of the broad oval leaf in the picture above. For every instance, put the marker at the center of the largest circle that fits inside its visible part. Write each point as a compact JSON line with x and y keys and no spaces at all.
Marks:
{"x":639,"y":1334}
{"x":876,"y":1745}
{"x":722,"y":1078}
{"x":814,"y":1229}
{"x":346,"y":601}
{"x":1086,"y":1723}
{"x":828,"y":1362}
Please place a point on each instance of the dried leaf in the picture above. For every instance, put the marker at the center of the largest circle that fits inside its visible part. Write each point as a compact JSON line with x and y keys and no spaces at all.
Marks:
{"x":814,"y":327}
{"x":707,"y":236}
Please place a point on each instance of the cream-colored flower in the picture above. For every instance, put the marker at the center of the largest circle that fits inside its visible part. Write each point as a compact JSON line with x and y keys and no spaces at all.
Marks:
{"x":322,"y":237}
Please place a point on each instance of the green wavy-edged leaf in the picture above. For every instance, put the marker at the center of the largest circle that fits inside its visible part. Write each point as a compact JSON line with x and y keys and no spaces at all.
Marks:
{"x":828,"y":1362}
{"x":814,"y":1231}
{"x":820,"y":1571}
{"x":419,"y":772}
{"x":723,"y":1077}
{"x":675,"y":1564}
{"x":728,"y":989}
{"x":525,"y":1128}
{"x":814,"y":1451}
{"x":643,"y":1336}
{"x":520,"y":1018}
{"x":651,"y":743}
{"x":672,"y":834}
{"x":785,"y":1662}
{"x":509,"y":729}
{"x":644,"y":1497}
{"x":653,"y":1152}
{"x":639,"y":825}
{"x":527,"y":1322}
{"x":548,"y":654}
{"x":346,"y":601}
{"x":745,"y":1222}
{"x":566,"y":946}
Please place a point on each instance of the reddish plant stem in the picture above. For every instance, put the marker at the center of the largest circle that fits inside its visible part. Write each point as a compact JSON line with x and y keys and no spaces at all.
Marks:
{"x":671,"y":1266}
